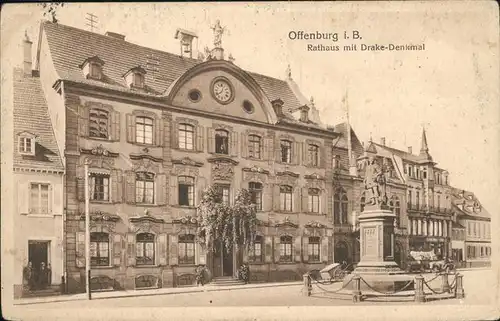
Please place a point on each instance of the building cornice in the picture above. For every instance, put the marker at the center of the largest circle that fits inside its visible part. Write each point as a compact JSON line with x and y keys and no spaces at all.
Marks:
{"x":38,"y":170}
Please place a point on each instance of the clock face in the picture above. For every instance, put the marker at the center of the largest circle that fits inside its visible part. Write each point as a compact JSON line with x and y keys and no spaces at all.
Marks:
{"x":222,"y":91}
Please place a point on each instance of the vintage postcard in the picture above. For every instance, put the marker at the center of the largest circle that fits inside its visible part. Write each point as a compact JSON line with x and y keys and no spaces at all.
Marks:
{"x":263,"y":161}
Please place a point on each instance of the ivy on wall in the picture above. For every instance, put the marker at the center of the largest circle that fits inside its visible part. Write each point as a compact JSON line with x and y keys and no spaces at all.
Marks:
{"x":232,"y":224}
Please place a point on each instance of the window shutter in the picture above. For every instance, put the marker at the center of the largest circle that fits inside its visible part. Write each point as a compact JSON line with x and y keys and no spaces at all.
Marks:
{"x":57,"y":194}
{"x":323,"y":204}
{"x":174,"y":135}
{"x":130,"y":249}
{"x":234,"y":143}
{"x":201,"y":185}
{"x":116,"y":186}
{"x":162,"y":249}
{"x":277,"y":150}
{"x":305,"y":249}
{"x":244,"y":145}
{"x":50,"y":195}
{"x":130,"y":187}
{"x":83,"y":121}
{"x":276,"y":197}
{"x":322,"y":157}
{"x":268,"y":148}
{"x":130,"y":128}
{"x":305,"y":200}
{"x":174,"y":199}
{"x":24,"y":197}
{"x":211,"y":140}
{"x":297,"y":248}
{"x":161,"y":189}
{"x":199,"y":138}
{"x":159,"y":138}
{"x":173,"y":252}
{"x":276,"y":249}
{"x":267,"y":197}
{"x":117,"y":249}
{"x":80,"y":249}
{"x":80,"y":188}
{"x":324,"y":249}
{"x":296,"y":199}
{"x":268,"y":249}
{"x":115,"y":126}
{"x":305,"y":155}
{"x":296,"y":153}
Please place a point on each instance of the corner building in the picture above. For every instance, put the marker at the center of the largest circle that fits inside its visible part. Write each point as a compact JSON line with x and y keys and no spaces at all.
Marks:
{"x":159,"y":128}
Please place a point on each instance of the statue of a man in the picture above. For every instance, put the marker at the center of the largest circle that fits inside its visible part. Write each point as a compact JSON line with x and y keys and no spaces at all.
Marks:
{"x":218,"y":32}
{"x":375,"y":183}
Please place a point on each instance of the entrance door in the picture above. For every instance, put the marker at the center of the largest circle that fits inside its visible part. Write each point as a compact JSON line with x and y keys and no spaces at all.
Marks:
{"x":222,"y":260}
{"x":341,"y":253}
{"x":38,"y":255}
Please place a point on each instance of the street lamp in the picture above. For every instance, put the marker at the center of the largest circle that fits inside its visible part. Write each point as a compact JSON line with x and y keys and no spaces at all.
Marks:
{"x":87,"y":229}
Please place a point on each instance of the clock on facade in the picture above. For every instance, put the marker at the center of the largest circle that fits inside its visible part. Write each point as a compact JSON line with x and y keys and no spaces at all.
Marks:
{"x":222,"y":90}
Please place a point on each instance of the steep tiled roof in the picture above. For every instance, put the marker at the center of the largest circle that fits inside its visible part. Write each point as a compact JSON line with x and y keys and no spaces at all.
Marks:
{"x":31,"y":115}
{"x":70,"y":46}
{"x":467,"y":204}
{"x":404,"y":155}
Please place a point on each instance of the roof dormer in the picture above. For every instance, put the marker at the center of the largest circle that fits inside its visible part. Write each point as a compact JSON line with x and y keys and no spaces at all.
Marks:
{"x":135,"y":77}
{"x":26,"y":143}
{"x":92,"y":68}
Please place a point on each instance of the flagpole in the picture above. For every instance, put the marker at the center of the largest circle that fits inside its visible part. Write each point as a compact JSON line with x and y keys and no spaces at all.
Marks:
{"x":87,"y":229}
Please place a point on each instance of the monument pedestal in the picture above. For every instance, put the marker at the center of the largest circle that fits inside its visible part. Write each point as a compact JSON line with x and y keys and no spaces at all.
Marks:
{"x":377,"y":266}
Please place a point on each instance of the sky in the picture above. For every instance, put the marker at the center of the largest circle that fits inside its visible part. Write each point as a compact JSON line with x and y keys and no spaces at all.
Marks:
{"x":451,"y":88}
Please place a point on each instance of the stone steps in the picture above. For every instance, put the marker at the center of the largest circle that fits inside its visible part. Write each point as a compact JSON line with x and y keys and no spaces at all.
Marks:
{"x":51,"y":291}
{"x":226,"y":281}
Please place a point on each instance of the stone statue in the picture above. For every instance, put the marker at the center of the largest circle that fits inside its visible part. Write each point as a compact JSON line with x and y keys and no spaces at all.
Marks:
{"x":218,"y":32}
{"x":375,"y":184}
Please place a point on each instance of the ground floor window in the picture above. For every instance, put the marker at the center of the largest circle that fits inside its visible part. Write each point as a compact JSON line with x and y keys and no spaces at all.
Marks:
{"x":186,"y":249}
{"x":145,"y":249}
{"x":99,"y":249}
{"x":255,"y":254}
{"x":313,"y":249}
{"x":286,"y":249}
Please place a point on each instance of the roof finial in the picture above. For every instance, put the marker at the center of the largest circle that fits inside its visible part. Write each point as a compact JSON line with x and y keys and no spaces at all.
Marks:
{"x":312,"y":101}
{"x":26,"y":38}
{"x":288,"y":72}
{"x":231,"y":58}
{"x":218,"y":32}
{"x":424,"y":147}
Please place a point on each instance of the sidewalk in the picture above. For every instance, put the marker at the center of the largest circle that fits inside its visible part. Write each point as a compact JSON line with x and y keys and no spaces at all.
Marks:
{"x":149,"y":292}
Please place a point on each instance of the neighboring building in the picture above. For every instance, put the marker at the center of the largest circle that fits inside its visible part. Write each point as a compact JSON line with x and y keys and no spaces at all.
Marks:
{"x":158,"y":128}
{"x":472,"y":243}
{"x":38,"y":188}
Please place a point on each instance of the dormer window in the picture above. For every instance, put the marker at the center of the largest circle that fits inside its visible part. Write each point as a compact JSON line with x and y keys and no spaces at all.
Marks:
{"x":92,"y":68}
{"x":26,"y":144}
{"x":135,"y":77}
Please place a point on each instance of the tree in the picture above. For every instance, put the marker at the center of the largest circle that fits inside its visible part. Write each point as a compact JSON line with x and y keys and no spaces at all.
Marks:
{"x":234,"y":225}
{"x":50,"y":9}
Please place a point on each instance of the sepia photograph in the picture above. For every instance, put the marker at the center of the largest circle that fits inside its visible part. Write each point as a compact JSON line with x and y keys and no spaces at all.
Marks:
{"x":253,"y":161}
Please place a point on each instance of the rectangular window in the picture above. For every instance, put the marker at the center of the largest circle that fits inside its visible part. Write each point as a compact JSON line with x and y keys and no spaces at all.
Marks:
{"x":186,"y":249}
{"x":144,"y":187}
{"x":254,"y":146}
{"x":26,"y":145}
{"x":286,"y":198}
{"x":99,"y":249}
{"x":336,"y":161}
{"x":98,"y":123}
{"x":255,"y":254}
{"x":313,"y":200}
{"x":138,"y":80}
{"x":313,"y":249}
{"x":313,"y":155}
{"x":186,"y":136}
{"x":145,"y":249}
{"x":417,"y":200}
{"x":221,"y":142}
{"x":99,"y":187}
{"x":286,"y":151}
{"x":409,"y":201}
{"x":255,"y":190}
{"x":144,"y":130}
{"x":286,"y":249}
{"x":95,"y":71}
{"x":39,"y":198}
{"x":223,"y":191}
{"x":186,"y":190}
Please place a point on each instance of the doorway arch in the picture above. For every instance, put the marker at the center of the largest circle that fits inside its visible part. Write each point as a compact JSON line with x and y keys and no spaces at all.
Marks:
{"x":341,"y":252}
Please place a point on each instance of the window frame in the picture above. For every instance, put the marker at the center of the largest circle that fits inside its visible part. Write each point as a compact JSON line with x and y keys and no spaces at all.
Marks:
{"x":101,"y":261}
{"x":99,"y":111}
{"x":313,"y":198}
{"x":311,"y":246}
{"x":221,"y":188}
{"x":220,"y":141}
{"x":313,"y":155}
{"x":256,"y":193}
{"x":144,"y":260}
{"x":144,"y":126}
{"x":185,"y":242}
{"x":285,"y":197}
{"x":254,"y":146}
{"x":286,"y":245}
{"x":252,"y":256}
{"x":39,"y":209}
{"x":189,"y":181}
{"x":106,"y":187}
{"x":183,"y":142}
{"x":95,"y":70}
{"x":286,"y":143}
{"x":138,"y":80}
{"x":340,"y":204}
{"x":23,"y":142}
{"x":144,"y":188}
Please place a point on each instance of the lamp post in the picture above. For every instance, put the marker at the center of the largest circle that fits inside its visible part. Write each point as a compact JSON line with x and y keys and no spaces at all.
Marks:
{"x":87,"y":229}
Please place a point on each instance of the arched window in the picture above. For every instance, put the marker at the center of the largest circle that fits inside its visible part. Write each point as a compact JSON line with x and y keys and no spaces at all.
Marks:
{"x":144,"y":130}
{"x":99,"y":249}
{"x":186,"y":136}
{"x":286,"y":198}
{"x":254,"y":146}
{"x":340,"y":208}
{"x":221,"y":141}
{"x":186,"y":249}
{"x":145,"y":249}
{"x":286,"y":249}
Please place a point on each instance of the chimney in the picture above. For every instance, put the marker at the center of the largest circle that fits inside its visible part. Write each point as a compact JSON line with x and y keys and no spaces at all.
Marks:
{"x":186,"y":41}
{"x":278,"y":107}
{"x":27,"y":60}
{"x":410,"y":150}
{"x":304,"y":114}
{"x":382,"y":141}
{"x":115,"y":35}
